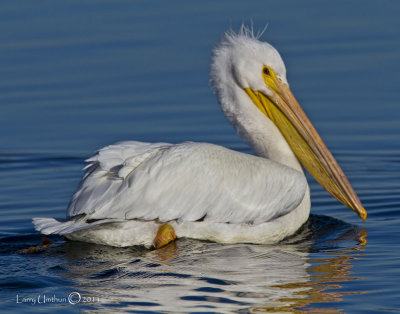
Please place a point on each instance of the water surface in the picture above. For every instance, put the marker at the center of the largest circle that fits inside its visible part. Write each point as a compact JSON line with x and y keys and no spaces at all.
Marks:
{"x":78,"y":76}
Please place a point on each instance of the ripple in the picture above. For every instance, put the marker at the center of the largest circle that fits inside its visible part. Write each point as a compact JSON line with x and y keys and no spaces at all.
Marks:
{"x":172,"y":275}
{"x":108,"y":273}
{"x":211,"y":299}
{"x":19,"y":284}
{"x":215,"y":281}
{"x":209,"y":289}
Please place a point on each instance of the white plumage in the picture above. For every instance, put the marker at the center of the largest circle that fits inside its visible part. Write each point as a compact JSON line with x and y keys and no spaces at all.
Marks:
{"x":190,"y":182}
{"x":178,"y":182}
{"x":202,"y":190}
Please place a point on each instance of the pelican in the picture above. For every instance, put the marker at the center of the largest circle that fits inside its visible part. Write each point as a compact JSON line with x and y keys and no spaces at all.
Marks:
{"x":136,"y":193}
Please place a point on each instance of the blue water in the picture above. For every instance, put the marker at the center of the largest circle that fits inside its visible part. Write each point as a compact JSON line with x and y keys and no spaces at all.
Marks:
{"x":76,"y":76}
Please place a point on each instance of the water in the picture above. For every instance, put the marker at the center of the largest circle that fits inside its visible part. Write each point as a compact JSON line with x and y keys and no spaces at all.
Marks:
{"x":78,"y":76}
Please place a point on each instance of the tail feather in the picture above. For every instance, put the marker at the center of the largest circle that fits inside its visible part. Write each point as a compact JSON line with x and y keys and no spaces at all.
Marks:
{"x":51,"y":225}
{"x":54,"y":226}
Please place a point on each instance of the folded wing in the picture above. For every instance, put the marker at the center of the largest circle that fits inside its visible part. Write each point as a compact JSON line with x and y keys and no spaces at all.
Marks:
{"x":185,"y":182}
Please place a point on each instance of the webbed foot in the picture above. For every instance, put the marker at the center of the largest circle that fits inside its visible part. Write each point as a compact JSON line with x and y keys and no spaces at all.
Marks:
{"x":36,"y":249}
{"x":165,"y":235}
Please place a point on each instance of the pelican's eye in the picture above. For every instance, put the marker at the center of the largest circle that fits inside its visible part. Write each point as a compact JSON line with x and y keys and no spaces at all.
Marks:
{"x":270,"y":78}
{"x":266,"y":71}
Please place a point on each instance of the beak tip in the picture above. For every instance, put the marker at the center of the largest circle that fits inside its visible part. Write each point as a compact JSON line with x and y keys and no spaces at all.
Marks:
{"x":362,"y":213}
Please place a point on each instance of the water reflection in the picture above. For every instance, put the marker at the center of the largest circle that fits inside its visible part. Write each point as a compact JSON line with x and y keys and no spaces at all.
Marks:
{"x":195,"y":276}
{"x":326,"y":274}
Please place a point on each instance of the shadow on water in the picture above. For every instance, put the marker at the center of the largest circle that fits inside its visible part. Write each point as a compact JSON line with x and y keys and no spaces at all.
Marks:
{"x":196,"y":276}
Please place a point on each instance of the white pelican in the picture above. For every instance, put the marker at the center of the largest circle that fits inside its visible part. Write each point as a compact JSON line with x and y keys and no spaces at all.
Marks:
{"x":136,"y":193}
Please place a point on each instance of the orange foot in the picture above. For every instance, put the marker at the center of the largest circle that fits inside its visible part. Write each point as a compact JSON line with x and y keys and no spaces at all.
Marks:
{"x":165,"y":235}
{"x":35,"y":249}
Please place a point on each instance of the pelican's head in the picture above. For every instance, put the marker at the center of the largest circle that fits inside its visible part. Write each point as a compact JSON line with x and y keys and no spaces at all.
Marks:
{"x":243,"y":66}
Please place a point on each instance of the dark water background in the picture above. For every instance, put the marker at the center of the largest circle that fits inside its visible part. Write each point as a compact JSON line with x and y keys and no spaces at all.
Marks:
{"x":78,"y":75}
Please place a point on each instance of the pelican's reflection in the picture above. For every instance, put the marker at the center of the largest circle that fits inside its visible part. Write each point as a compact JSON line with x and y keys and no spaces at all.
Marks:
{"x":191,"y":275}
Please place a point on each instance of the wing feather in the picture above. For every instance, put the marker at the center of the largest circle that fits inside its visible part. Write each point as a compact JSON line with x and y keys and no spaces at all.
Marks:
{"x":106,"y":172}
{"x":185,"y":182}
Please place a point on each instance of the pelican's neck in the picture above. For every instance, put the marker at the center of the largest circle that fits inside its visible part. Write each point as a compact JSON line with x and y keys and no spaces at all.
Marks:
{"x":256,"y":129}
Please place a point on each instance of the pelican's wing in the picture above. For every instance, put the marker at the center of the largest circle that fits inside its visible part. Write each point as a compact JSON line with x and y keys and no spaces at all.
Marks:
{"x":185,"y":182}
{"x":106,"y":173}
